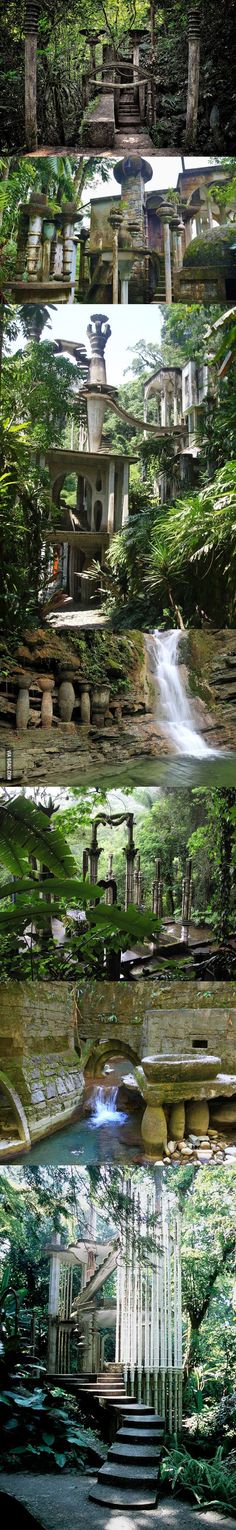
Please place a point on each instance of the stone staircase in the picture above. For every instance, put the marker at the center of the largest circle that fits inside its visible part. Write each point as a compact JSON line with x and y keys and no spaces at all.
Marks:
{"x":129,"y":1477}
{"x":130,"y":134}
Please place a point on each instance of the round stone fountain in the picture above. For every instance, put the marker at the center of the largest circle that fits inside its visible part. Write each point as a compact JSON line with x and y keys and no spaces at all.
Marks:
{"x":173,"y":1087}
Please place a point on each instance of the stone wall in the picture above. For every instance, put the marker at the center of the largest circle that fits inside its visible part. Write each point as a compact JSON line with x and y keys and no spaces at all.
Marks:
{"x":140,"y":1018}
{"x":36,"y":1017}
{"x":41,"y":1078}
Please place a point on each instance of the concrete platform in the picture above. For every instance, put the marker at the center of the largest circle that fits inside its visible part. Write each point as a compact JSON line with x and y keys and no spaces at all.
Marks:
{"x":59,"y":1501}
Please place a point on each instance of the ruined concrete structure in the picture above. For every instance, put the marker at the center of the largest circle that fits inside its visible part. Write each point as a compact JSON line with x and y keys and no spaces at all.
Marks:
{"x":180,"y":393}
{"x":187,"y":1049}
{"x":144,"y":1316}
{"x":46,"y":250}
{"x":81,"y":535}
{"x":141,"y":242}
{"x":41,"y":1080}
{"x":138,"y":246}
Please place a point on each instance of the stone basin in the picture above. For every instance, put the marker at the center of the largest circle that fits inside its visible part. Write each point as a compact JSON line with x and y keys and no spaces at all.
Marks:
{"x":166,"y":1066}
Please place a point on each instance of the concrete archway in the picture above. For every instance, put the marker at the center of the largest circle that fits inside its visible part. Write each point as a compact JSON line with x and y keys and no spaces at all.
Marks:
{"x":108,"y":1048}
{"x":18,"y":1112}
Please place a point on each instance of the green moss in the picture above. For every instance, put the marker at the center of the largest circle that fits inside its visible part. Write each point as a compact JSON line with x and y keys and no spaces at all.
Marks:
{"x":213,"y":249}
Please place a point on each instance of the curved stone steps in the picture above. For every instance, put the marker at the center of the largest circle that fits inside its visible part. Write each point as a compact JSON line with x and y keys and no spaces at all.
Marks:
{"x":123,"y":1452}
{"x":152,"y":1436}
{"x":130,"y":1476}
{"x":130,"y":1499}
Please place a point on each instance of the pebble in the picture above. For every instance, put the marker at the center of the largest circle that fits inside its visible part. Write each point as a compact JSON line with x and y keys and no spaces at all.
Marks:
{"x":171,"y":1146}
{"x":203,"y":1156}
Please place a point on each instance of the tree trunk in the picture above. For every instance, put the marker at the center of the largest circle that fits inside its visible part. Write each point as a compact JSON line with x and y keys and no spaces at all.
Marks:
{"x":31,"y":131}
{"x":193,"y":79}
{"x":227,"y":802}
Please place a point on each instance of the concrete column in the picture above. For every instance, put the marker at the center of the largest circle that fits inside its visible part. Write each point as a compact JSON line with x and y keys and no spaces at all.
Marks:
{"x":125,"y":505}
{"x":193,"y":76}
{"x":95,"y":415}
{"x":53,"y":1305}
{"x":164,"y":407}
{"x":167,"y":255}
{"x":34,"y":245}
{"x":111,"y":499}
{"x":125,"y":289}
{"x":135,"y":69}
{"x":176,"y":410}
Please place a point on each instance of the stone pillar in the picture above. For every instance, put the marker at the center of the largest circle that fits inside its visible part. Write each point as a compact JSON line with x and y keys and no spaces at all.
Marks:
{"x":57,"y":263}
{"x":36,"y":208}
{"x":95,"y":415}
{"x":115,"y":220}
{"x":125,"y":289}
{"x":130,"y":855}
{"x":66,"y":699}
{"x":135,"y":69}
{"x":111,"y":499}
{"x":23,"y":705}
{"x":167,"y":255}
{"x":85,"y":706}
{"x":53,"y":1305}
{"x":164,"y":405}
{"x":31,"y":30}
{"x":46,"y":685}
{"x":69,"y":215}
{"x":125,"y":503}
{"x":93,"y":853}
{"x":98,"y":332}
{"x":193,"y":77}
{"x":132,"y":174}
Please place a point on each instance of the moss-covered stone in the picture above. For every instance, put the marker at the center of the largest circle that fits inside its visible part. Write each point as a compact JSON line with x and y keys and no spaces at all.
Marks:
{"x":213,"y":249}
{"x":177,"y":1121}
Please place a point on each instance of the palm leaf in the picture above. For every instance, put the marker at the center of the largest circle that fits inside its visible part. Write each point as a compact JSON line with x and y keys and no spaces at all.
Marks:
{"x":25,"y":830}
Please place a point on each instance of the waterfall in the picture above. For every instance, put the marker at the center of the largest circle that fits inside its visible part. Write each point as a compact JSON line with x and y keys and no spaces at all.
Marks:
{"x":104,"y":1112}
{"x":176,"y":708}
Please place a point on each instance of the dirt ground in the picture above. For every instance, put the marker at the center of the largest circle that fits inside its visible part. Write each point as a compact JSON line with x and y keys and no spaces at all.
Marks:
{"x":62,"y":1501}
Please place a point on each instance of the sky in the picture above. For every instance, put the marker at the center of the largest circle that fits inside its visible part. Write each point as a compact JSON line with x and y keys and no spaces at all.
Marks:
{"x":165,"y":171}
{"x":128,"y":324}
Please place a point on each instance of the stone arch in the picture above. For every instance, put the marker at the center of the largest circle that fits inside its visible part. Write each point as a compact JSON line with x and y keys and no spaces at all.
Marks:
{"x":111,"y":1046}
{"x":17,"y":1108}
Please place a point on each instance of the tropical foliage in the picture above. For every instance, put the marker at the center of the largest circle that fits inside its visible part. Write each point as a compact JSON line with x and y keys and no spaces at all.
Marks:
{"x":64,"y":53}
{"x":48,"y":1429}
{"x":41,"y":851}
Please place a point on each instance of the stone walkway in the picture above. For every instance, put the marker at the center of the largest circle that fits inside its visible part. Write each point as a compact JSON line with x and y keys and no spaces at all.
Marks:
{"x":74,"y":616}
{"x":62,"y":1501}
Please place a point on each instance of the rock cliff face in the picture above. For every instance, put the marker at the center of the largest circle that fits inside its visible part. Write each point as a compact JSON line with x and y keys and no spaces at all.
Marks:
{"x":211,"y":662}
{"x":127,"y":727}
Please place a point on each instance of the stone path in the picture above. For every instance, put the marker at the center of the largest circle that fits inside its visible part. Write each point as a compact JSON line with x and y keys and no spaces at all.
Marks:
{"x":73,"y":616}
{"x":60,"y":1502}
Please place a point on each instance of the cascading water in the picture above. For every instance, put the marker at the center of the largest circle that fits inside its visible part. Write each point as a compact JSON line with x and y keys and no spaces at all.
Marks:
{"x":105,"y":1112}
{"x":176,"y":709}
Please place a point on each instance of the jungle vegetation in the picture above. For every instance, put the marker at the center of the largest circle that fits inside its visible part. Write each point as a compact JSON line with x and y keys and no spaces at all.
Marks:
{"x":43,"y":837}
{"x":64,"y":54}
{"x":48,"y":1430}
{"x":186,"y":551}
